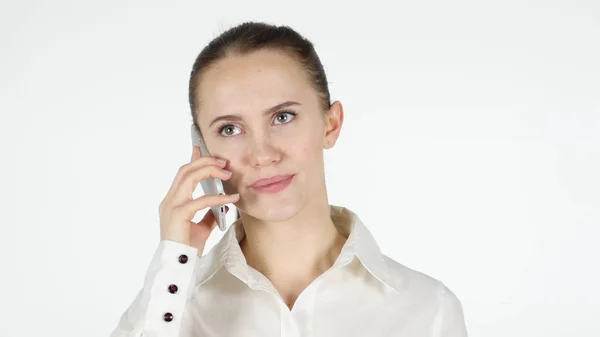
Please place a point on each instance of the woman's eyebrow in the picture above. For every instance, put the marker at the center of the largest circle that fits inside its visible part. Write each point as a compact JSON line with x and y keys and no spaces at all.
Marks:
{"x":267,"y":112}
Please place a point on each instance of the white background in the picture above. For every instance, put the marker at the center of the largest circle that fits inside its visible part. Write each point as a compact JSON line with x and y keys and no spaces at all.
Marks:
{"x":480,"y":121}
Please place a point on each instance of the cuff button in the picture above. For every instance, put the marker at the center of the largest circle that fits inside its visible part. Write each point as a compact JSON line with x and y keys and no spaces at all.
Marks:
{"x":183,"y":258}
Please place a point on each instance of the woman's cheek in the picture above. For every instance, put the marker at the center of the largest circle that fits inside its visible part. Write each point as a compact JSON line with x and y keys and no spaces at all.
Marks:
{"x":230,"y":149}
{"x":229,"y":187}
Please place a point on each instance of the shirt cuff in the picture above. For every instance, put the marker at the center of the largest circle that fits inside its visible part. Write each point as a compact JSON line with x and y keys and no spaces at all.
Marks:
{"x":168,"y":280}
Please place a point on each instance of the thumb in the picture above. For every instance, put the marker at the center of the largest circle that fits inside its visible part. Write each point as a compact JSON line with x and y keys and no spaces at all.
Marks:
{"x":208,"y":220}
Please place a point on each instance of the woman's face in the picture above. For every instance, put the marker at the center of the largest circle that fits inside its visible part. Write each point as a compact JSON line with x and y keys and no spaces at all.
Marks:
{"x":260,"y":112}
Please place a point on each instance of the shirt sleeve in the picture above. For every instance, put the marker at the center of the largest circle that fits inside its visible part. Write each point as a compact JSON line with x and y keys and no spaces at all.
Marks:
{"x":157,"y":310}
{"x":450,"y":321}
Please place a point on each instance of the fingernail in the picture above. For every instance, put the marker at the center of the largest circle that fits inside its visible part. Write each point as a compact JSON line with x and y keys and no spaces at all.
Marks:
{"x":228,"y":172}
{"x":222,"y":161}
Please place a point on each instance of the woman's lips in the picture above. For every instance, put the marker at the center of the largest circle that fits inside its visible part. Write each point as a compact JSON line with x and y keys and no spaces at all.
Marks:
{"x":273,"y":184}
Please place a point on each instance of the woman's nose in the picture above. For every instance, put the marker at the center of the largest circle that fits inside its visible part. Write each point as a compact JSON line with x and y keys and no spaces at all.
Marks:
{"x":263,"y":152}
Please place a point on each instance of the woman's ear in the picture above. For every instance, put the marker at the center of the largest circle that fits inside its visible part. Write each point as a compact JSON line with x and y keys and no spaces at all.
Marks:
{"x":333,"y":124}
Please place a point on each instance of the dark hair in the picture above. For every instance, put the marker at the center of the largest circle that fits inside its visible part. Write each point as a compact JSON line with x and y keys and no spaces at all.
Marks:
{"x":252,"y":36}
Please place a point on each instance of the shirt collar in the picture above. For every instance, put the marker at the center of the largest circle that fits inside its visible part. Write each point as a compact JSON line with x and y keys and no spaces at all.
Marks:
{"x":360,"y":243}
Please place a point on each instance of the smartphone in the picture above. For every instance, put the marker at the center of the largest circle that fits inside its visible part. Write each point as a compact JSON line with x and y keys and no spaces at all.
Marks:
{"x":210,"y":185}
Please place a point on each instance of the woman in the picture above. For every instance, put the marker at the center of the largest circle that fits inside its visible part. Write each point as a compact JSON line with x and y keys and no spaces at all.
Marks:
{"x":291,"y":265}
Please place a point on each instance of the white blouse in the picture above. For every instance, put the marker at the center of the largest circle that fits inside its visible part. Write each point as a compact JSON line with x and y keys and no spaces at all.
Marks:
{"x":365,"y":293}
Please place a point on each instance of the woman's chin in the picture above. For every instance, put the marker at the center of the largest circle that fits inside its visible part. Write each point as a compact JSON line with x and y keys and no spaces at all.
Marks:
{"x":271,"y":212}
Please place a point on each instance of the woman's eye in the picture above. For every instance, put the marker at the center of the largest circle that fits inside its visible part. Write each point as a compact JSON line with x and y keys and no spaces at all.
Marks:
{"x":285,"y":117}
{"x":228,"y":130}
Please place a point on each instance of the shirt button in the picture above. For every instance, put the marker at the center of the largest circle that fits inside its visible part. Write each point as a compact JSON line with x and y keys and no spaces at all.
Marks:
{"x":183,"y":258}
{"x":168,"y":317}
{"x":173,"y":288}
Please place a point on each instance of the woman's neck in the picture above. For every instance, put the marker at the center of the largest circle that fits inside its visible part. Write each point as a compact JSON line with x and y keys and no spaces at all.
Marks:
{"x":293,"y":253}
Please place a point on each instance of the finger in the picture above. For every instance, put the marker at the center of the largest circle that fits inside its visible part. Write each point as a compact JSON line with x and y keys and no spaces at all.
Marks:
{"x":208,"y":220}
{"x":191,"y":181}
{"x":206,"y":172}
{"x":195,"y":153}
{"x":189,"y":209}
{"x":198,"y":164}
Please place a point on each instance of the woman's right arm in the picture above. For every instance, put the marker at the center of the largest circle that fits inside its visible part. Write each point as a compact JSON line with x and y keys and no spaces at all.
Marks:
{"x":158,"y":308}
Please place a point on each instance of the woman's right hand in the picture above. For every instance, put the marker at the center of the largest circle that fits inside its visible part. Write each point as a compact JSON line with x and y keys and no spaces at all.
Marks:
{"x":178,"y":208}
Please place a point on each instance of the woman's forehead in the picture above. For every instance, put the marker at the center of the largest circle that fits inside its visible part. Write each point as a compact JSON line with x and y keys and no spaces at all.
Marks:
{"x":253,"y":81}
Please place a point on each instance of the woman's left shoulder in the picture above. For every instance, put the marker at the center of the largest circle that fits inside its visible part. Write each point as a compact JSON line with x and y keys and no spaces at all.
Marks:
{"x":426,"y":294}
{"x":415,"y":282}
